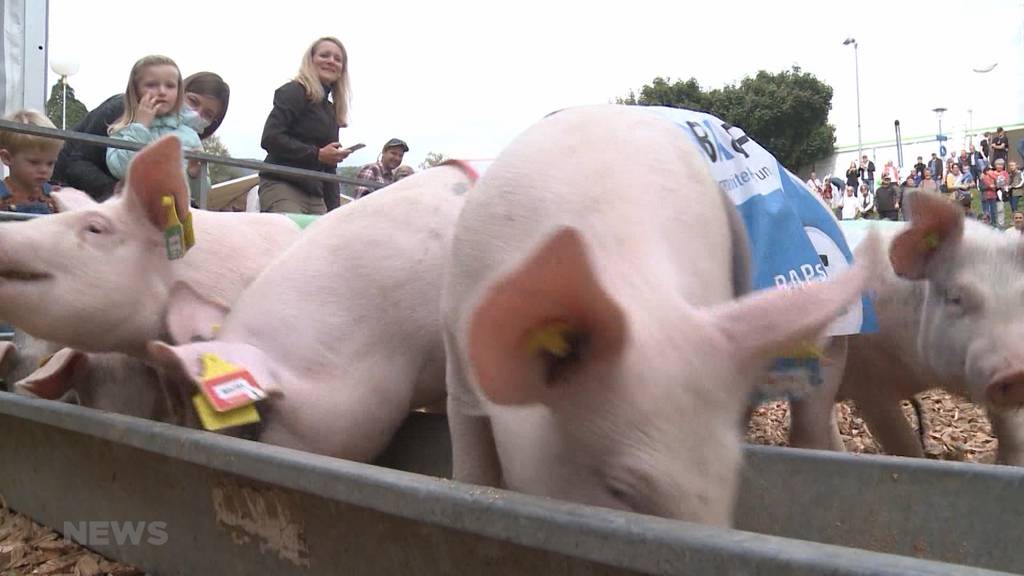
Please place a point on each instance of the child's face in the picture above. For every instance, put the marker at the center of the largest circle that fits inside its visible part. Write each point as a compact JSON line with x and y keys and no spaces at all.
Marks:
{"x":31,"y":168}
{"x":161,"y":84}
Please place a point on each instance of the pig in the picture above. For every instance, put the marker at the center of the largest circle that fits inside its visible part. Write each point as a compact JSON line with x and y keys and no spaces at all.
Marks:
{"x":96,"y":278}
{"x":343,"y":331}
{"x":108,"y":381}
{"x":948,"y":311}
{"x":596,"y":350}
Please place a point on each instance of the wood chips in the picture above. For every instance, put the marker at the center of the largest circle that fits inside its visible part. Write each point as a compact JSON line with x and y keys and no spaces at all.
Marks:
{"x":955,"y":429}
{"x":28,"y":548}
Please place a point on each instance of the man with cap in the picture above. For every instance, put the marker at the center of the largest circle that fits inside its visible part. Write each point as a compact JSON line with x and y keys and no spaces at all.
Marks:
{"x":887,"y":199}
{"x":383,"y":170}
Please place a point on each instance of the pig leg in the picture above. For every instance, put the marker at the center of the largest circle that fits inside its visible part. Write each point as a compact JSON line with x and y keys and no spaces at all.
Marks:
{"x":885,"y":418}
{"x":813,"y":417}
{"x":1008,"y":427}
{"x":474,"y":453}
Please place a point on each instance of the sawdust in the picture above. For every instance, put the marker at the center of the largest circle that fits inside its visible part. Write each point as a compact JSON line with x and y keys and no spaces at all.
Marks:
{"x":28,"y":548}
{"x":955,"y":429}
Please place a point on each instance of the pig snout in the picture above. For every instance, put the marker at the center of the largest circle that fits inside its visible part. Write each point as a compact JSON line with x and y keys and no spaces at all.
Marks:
{"x":1006,"y":390}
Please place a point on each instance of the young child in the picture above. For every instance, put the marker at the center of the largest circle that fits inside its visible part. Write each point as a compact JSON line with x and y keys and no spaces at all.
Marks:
{"x":30,"y":160}
{"x":153,"y":108}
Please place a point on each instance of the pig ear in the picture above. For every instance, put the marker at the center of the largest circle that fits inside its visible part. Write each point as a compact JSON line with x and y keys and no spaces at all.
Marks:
{"x":154,"y":172}
{"x":934,"y":223}
{"x":8,"y":357}
{"x":769,"y":322}
{"x":54,"y":379}
{"x":542,"y":319}
{"x":182,"y":365}
{"x":190,"y":316}
{"x":70,"y":199}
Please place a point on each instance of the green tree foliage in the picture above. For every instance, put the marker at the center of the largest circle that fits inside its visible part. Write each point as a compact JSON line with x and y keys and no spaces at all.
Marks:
{"x":219,"y":172}
{"x":55,"y":108}
{"x":432,"y":159}
{"x":787,"y":113}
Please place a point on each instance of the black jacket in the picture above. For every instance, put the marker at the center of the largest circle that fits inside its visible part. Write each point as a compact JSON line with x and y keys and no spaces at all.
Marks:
{"x":886,"y":197}
{"x":84,"y":166}
{"x":295,"y":131}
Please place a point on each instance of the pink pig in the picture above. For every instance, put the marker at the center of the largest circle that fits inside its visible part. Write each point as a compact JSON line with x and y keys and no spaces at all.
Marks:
{"x":97,"y":277}
{"x":596,"y":348}
{"x":344,"y":330}
{"x":949,"y":317}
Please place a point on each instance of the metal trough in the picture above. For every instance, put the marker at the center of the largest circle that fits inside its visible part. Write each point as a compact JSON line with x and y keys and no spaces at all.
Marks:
{"x":227,"y":506}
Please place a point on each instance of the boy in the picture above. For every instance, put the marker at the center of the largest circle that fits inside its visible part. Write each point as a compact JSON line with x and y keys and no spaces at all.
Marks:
{"x":30,"y":160}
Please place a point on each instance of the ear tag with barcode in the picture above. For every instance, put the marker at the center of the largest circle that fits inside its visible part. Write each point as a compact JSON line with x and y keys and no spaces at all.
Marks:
{"x":228,"y":386}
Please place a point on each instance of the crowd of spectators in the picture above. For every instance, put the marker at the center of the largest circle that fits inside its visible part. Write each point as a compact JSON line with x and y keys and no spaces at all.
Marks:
{"x":982,"y":181}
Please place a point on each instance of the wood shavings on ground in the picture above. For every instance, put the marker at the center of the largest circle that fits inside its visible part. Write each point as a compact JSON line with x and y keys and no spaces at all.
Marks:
{"x":955,"y":429}
{"x":28,"y":548}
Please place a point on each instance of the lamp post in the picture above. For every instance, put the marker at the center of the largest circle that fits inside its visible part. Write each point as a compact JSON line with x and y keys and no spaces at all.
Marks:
{"x":64,"y":68}
{"x":942,"y":147}
{"x":856,"y":69}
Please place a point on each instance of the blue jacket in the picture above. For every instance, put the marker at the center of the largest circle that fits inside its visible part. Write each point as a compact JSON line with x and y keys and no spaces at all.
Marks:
{"x":117,"y":160}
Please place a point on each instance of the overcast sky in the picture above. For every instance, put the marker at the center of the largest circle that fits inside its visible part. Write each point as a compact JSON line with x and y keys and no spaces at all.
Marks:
{"x":463,"y":78}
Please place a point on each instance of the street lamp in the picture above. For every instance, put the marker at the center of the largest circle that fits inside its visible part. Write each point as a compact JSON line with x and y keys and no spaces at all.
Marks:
{"x":942,"y":147}
{"x":856,"y":68}
{"x":64,"y":68}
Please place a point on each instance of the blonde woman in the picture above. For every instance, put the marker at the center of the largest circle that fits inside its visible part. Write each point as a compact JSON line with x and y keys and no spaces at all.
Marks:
{"x":302,"y":131}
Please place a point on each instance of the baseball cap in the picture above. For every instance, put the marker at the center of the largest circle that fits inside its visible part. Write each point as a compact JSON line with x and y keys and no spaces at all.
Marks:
{"x":396,"y":143}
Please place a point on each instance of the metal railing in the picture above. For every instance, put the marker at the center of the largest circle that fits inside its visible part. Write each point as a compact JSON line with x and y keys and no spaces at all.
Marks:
{"x":203,"y":158}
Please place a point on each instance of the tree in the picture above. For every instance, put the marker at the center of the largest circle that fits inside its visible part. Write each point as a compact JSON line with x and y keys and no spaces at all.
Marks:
{"x":432,"y":159}
{"x":787,"y":113}
{"x":219,"y":172}
{"x":55,"y":108}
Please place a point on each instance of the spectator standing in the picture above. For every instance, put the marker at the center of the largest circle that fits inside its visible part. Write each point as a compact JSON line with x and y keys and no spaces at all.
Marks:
{"x":814,"y":183}
{"x":1016,"y":186}
{"x":985,"y":148}
{"x":867,"y":172}
{"x":383,"y":170}
{"x":853,"y":175}
{"x":989,"y":194}
{"x":978,"y":163}
{"x":1002,"y":178}
{"x":891,"y":171}
{"x":1000,"y":146}
{"x":952,"y":179}
{"x":302,"y":132}
{"x":919,"y":170}
{"x":887,"y":199}
{"x":935,"y":165}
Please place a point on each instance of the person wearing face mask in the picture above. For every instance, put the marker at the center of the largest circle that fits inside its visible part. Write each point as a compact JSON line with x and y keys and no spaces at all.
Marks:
{"x":84,"y":166}
{"x":302,"y":132}
{"x":384,"y":170}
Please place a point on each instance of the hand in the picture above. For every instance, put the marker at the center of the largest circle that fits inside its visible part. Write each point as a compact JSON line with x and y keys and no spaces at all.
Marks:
{"x":193,"y":168}
{"x":146,"y":111}
{"x":332,"y":153}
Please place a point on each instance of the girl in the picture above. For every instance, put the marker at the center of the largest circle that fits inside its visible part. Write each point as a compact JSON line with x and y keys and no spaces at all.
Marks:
{"x":153,"y":108}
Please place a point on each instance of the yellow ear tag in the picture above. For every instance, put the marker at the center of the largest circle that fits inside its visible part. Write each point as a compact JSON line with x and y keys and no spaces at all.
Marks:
{"x":174,"y":235}
{"x":45,"y":359}
{"x":215,"y":329}
{"x":213,"y":420}
{"x":930,"y":241}
{"x":551,"y":338}
{"x":228,"y":387}
{"x":190,"y":233}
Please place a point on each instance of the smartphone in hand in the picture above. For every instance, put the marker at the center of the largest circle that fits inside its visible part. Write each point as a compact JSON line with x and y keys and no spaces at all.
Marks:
{"x":355,"y":147}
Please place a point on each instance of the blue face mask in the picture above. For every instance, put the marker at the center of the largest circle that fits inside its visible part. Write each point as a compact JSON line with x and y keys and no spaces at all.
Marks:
{"x":193,"y":120}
